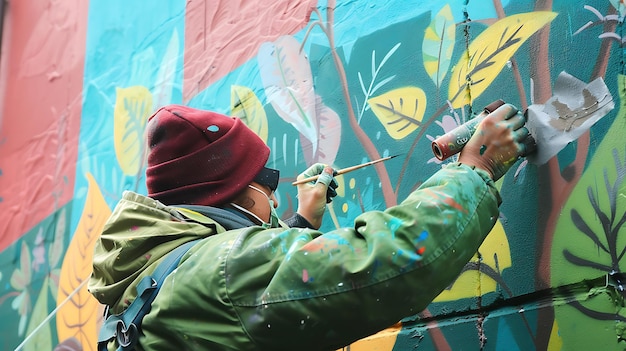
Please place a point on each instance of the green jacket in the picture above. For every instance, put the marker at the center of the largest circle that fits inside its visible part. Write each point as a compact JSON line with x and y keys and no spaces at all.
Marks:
{"x":294,"y":288}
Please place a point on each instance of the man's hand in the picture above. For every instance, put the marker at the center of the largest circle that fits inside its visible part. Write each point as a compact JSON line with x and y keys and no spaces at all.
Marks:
{"x":313,"y":196}
{"x":498,"y":142}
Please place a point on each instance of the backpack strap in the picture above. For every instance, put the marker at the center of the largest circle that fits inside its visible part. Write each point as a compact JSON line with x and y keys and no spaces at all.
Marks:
{"x":207,"y":215}
{"x":126,"y":326}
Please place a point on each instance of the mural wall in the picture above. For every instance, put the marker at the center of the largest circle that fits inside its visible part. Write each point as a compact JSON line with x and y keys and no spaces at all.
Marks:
{"x":338,"y":82}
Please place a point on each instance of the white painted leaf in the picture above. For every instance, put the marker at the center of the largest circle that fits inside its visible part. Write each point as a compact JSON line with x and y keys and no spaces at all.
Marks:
{"x":288,"y":83}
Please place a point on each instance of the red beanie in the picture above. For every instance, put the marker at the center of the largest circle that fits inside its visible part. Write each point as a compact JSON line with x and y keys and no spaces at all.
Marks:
{"x":200,"y":157}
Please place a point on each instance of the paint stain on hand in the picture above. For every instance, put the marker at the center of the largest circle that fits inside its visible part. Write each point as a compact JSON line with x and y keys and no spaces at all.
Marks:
{"x":483,"y":148}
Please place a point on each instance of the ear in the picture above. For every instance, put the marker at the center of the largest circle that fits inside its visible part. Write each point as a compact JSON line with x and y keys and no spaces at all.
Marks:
{"x":244,"y":199}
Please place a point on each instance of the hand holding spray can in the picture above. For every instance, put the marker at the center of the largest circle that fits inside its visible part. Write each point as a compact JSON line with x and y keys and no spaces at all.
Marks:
{"x":453,"y":142}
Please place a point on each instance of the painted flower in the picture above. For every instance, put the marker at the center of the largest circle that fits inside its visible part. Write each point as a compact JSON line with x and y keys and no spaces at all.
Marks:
{"x":447,"y":123}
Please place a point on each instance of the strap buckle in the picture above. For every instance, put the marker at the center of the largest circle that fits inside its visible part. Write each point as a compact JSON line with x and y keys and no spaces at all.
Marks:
{"x":127,"y":336}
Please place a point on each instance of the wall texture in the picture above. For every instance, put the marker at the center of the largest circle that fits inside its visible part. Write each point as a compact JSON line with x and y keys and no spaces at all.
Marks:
{"x":369,"y":78}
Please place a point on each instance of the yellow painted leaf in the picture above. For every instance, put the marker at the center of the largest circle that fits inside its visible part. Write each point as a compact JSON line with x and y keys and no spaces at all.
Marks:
{"x":80,"y":316}
{"x":472,"y":283}
{"x":490,"y":52}
{"x":247,"y":106}
{"x":133,"y":106}
{"x":556,"y":341}
{"x":438,"y":45}
{"x":400,"y":110}
{"x":384,"y":340}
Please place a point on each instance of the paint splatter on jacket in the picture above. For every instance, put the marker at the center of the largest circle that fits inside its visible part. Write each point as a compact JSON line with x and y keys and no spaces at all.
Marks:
{"x":293,"y":289}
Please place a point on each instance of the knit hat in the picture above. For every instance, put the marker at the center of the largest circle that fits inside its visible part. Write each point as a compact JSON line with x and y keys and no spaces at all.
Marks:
{"x":200,"y":157}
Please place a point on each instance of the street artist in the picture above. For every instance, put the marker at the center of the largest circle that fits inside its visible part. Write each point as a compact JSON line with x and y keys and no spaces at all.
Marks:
{"x":255,"y":282}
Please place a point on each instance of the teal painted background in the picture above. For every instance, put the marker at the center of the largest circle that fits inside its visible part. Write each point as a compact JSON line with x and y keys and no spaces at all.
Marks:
{"x":550,"y":278}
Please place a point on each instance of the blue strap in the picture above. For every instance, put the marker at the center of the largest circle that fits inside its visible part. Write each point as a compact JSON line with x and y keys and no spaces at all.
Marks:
{"x":125,"y":327}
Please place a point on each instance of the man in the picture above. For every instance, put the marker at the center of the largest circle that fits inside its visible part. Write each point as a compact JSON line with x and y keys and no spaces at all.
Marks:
{"x":253,"y":283}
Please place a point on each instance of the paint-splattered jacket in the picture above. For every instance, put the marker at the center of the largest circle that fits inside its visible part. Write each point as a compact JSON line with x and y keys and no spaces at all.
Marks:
{"x":294,"y":289}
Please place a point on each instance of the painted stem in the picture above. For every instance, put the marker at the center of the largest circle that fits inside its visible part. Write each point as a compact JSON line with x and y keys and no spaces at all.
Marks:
{"x":554,"y":186}
{"x":560,"y":189}
{"x":390,"y":197}
{"x":8,"y":295}
{"x":368,"y":145}
{"x":516,"y":74}
{"x":602,"y":62}
{"x":441,"y":344}
{"x":423,"y":129}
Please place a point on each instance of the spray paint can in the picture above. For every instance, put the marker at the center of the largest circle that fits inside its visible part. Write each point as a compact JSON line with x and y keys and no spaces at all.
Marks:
{"x":453,"y":141}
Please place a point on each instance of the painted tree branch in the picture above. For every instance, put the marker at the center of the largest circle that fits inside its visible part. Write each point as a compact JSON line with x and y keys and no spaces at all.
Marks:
{"x":390,"y":197}
{"x":423,"y":129}
{"x":547,"y":190}
{"x":368,"y":145}
{"x":516,"y":74}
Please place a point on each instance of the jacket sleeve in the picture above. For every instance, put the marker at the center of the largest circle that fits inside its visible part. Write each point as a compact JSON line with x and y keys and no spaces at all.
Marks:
{"x":301,"y":287}
{"x":297,"y":221}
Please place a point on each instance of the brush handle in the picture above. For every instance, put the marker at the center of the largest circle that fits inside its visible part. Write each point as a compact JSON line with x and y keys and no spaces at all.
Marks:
{"x":310,"y":179}
{"x":343,"y":170}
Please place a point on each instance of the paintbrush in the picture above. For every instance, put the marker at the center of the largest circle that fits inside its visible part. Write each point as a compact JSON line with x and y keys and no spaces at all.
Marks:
{"x":344,"y":170}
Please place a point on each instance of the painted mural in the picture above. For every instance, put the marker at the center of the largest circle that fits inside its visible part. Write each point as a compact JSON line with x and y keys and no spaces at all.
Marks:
{"x":337,"y":82}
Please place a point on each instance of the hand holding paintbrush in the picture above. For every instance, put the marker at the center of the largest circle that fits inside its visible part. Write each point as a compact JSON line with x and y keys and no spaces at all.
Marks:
{"x":344,"y":170}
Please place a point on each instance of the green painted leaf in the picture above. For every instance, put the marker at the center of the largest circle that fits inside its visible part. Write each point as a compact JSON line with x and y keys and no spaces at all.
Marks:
{"x":41,"y":339}
{"x":55,"y":251}
{"x":590,"y":243}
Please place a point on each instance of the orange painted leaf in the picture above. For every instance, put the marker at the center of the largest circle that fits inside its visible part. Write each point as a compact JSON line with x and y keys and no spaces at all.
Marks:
{"x":79,"y":317}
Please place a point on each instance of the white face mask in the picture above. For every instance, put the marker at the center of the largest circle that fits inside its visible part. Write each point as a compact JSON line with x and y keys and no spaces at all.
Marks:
{"x":274,"y":219}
